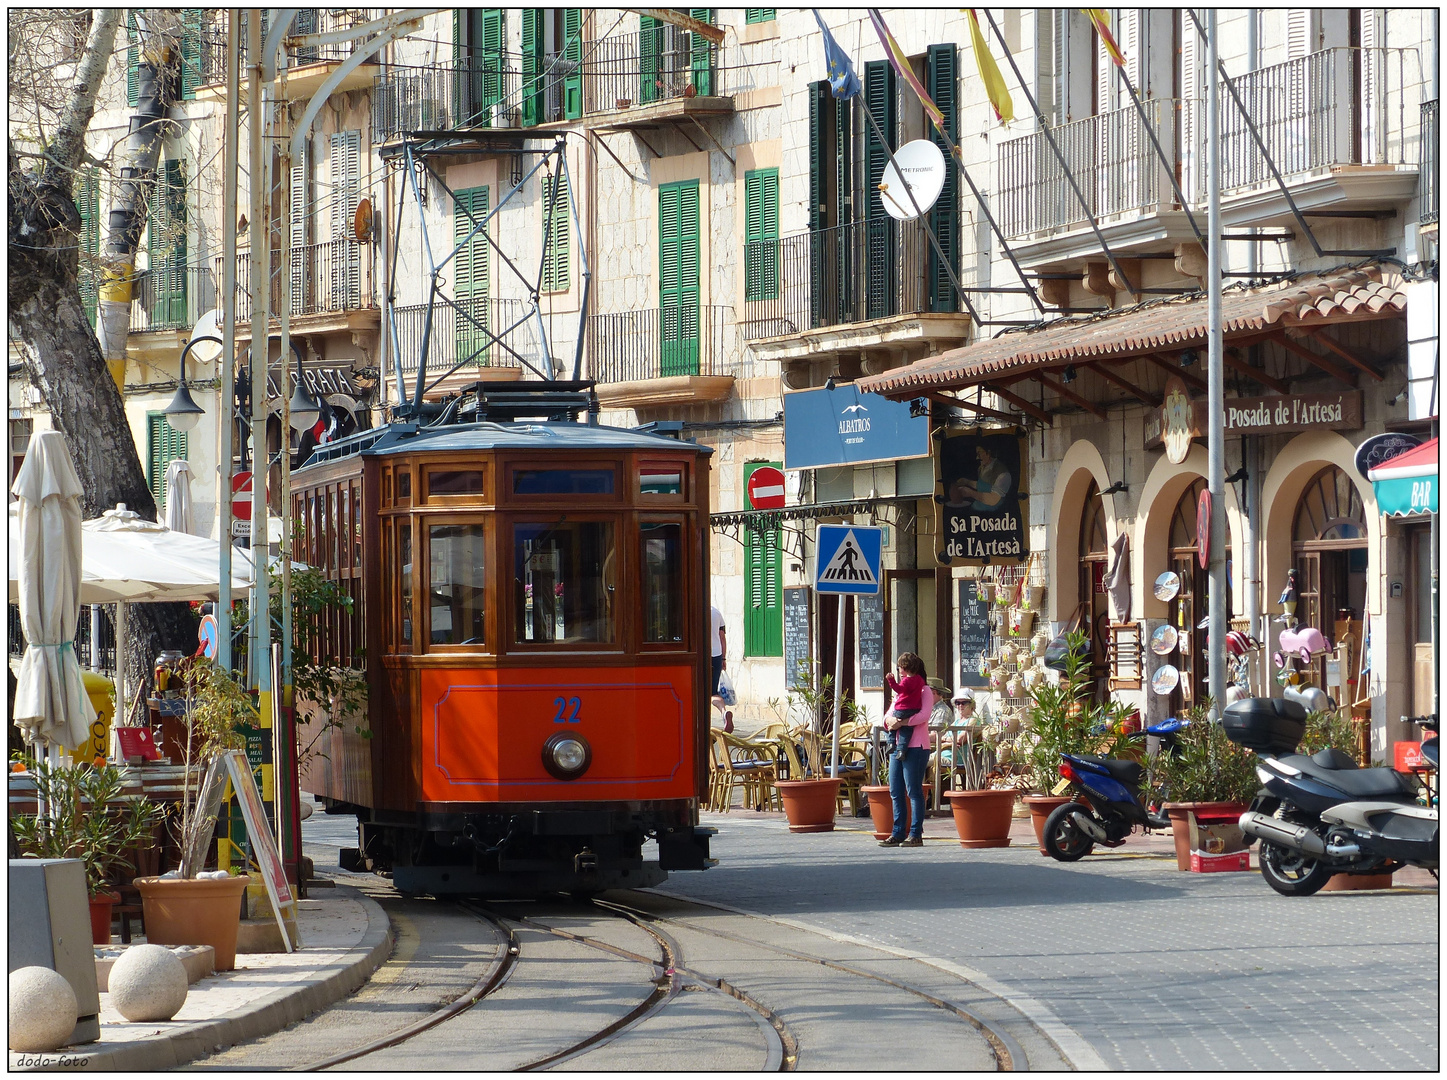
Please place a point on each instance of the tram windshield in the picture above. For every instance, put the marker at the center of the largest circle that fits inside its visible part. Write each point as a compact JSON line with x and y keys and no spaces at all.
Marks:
{"x":457,"y":585}
{"x":564,"y":580}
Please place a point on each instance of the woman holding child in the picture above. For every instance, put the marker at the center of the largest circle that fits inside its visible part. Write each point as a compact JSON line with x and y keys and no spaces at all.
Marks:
{"x":909,"y":745}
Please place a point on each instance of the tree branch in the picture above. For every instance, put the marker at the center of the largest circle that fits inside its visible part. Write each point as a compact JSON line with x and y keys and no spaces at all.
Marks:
{"x":69,"y":144}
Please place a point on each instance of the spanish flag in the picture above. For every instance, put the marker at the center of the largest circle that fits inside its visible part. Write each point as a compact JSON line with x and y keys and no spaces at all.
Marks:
{"x":995,"y":88}
{"x":1101,"y":19}
{"x":903,"y":69}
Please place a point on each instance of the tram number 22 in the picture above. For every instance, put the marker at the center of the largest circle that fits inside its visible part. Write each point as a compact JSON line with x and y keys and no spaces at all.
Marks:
{"x":569,"y":710}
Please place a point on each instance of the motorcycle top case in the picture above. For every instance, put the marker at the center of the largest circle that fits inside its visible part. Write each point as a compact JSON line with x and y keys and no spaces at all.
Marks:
{"x":1266,"y":725}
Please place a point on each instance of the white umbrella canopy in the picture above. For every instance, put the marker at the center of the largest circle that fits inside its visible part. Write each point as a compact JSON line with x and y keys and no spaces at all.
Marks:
{"x":179,"y":513}
{"x":51,"y":705}
{"x":125,"y":550}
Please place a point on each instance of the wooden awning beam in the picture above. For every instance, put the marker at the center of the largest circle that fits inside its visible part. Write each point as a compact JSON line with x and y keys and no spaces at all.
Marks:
{"x":1238,"y":364}
{"x":1142,"y":395}
{"x":956,"y":403}
{"x":1319,"y":361}
{"x":1359,"y":364}
{"x":1023,"y":405}
{"x":1068,"y":394}
{"x":1174,"y":368}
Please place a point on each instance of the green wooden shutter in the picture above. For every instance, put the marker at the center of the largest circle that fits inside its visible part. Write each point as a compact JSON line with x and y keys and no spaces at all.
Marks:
{"x":763,"y":586}
{"x":133,"y":60}
{"x":493,"y":39}
{"x":573,"y":54}
{"x":532,"y":66}
{"x":761,"y":234}
{"x":881,"y":232}
{"x":678,"y":275}
{"x":461,"y":71}
{"x":164,"y":444}
{"x":166,"y":226}
{"x":700,"y":54}
{"x":471,"y":276}
{"x":346,"y":194}
{"x":301,"y":217}
{"x":758,"y":15}
{"x":191,"y":51}
{"x":942,"y":84}
{"x":87,"y":202}
{"x":556,"y":221}
{"x":650,"y":30}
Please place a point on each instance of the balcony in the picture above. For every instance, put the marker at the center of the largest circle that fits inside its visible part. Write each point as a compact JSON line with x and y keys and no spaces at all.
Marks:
{"x":171,"y":298}
{"x":663,"y":356}
{"x":634,"y":81}
{"x":456,"y":338}
{"x":494,"y":94}
{"x":326,"y":278}
{"x":306,"y":67}
{"x":870,"y":285}
{"x":1427,"y":174}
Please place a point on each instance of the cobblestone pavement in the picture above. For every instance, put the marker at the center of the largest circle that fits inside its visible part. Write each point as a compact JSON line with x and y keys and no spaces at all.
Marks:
{"x":1152,"y":968}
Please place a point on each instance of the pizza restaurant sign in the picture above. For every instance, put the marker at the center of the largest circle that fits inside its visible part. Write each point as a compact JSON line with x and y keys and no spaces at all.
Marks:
{"x":1182,"y":419}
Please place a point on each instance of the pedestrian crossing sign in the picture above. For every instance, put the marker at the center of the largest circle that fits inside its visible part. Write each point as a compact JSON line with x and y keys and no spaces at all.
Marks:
{"x":848,"y":559}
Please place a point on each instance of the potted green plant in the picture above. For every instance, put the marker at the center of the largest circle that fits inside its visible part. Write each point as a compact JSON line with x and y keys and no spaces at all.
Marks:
{"x":809,"y":800}
{"x":187,"y":909}
{"x":1062,"y":720}
{"x":83,"y":815}
{"x":1331,"y":730}
{"x":1206,"y":773}
{"x":985,"y":800}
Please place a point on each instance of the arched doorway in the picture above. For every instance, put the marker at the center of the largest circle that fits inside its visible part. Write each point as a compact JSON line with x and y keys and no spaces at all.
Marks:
{"x":1329,"y":551}
{"x":1191,"y":605}
{"x":1094,"y":556}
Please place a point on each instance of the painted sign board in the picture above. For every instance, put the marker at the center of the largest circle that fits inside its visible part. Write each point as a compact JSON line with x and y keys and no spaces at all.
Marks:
{"x":842,"y":426}
{"x":975,"y":636}
{"x":263,"y":848}
{"x":798,"y":659}
{"x":847,"y":559}
{"x":871,"y":642}
{"x":982,"y":517}
{"x":1181,"y":419}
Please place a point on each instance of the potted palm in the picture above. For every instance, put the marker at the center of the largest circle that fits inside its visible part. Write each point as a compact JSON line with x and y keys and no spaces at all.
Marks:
{"x":809,"y":800}
{"x":983,"y":804}
{"x":191,"y":908}
{"x":83,"y":814}
{"x":1205,"y":774}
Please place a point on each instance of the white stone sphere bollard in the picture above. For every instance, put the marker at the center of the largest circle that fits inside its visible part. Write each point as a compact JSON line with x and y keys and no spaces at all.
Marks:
{"x":148,"y":983}
{"x":42,"y":1009}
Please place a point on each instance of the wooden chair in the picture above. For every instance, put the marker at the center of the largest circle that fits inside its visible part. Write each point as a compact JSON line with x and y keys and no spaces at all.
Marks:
{"x":853,"y":765}
{"x":717,"y":779}
{"x":743,"y":763}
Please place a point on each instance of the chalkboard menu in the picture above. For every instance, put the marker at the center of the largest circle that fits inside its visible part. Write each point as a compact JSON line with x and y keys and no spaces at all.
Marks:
{"x":798,"y":657}
{"x":974,"y":634}
{"x":871,"y":642}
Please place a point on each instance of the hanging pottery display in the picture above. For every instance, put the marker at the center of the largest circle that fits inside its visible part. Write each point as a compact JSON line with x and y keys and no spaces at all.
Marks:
{"x":1163,"y":641}
{"x":1014,"y":687}
{"x":1167,"y":586}
{"x":1166,"y":679}
{"x":1040,"y":642}
{"x":1007,"y":654}
{"x":1021,"y":620}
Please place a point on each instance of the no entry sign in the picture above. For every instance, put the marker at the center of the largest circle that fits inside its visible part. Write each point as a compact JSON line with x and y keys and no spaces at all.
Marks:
{"x":766,"y":489}
{"x":241,"y":496}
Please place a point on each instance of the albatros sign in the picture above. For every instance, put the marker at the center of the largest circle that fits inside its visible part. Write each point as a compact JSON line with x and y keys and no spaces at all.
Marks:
{"x":842,"y":426}
{"x":1182,"y":419}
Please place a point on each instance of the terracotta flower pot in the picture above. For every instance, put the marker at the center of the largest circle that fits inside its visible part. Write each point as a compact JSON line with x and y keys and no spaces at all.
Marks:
{"x":1353,"y":882}
{"x":881,"y":810}
{"x":100,"y":916}
{"x":982,"y":818}
{"x":1181,"y":827}
{"x":189,"y":912}
{"x":1040,"y":807}
{"x":809,"y":804}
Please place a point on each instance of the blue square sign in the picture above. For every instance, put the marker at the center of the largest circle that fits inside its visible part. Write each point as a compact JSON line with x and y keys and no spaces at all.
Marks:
{"x":848,"y":559}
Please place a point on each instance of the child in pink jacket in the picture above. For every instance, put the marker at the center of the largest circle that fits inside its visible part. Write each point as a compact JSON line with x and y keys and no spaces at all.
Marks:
{"x":908,"y":691}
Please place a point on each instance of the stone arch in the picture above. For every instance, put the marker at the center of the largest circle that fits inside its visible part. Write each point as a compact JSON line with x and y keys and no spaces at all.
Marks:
{"x":1081,"y":464}
{"x":1163,"y":488}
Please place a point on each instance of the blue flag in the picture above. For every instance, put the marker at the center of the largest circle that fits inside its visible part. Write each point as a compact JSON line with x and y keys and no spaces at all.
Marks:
{"x":843,"y":83}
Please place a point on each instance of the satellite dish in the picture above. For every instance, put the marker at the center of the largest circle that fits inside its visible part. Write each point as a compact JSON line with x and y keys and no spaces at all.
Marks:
{"x":924,"y":171}
{"x":362,"y":223}
{"x":208,"y":325}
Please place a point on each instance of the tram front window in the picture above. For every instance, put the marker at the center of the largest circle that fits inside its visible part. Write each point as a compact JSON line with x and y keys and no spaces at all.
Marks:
{"x":662,"y":550}
{"x":457,"y":586}
{"x":564,"y":579}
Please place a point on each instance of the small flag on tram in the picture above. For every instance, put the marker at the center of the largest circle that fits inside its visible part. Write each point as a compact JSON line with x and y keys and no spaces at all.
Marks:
{"x":1101,"y":18}
{"x":902,"y":68}
{"x":995,"y":88}
{"x":843,"y":82}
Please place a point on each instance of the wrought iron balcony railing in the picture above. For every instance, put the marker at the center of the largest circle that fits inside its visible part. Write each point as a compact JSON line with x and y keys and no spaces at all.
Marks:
{"x":488,"y":94}
{"x":1109,"y":155}
{"x":661,"y":343}
{"x":659,"y":64}
{"x":335,"y":275}
{"x":848,"y":274}
{"x":1427,"y":175}
{"x":164,"y":297}
{"x":308,"y":21}
{"x":462,"y":337}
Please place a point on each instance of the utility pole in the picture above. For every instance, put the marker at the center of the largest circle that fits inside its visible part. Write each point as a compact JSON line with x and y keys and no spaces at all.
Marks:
{"x":260,"y":636}
{"x":231,"y":154}
{"x":1216,"y":394}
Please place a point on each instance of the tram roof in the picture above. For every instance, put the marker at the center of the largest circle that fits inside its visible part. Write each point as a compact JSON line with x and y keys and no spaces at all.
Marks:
{"x":401,"y":438}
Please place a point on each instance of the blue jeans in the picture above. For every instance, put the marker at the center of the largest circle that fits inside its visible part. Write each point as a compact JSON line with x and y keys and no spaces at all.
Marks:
{"x":906,"y":779}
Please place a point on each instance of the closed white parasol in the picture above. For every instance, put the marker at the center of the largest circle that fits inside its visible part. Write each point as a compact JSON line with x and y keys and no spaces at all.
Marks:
{"x":51,"y":705}
{"x":179,"y":514}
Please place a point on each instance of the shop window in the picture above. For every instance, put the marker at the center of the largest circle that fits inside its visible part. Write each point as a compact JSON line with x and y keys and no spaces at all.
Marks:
{"x":563,"y":481}
{"x":1329,"y":552}
{"x":661,"y":555}
{"x":1093,"y":555}
{"x":564,"y":581}
{"x":456,"y":584}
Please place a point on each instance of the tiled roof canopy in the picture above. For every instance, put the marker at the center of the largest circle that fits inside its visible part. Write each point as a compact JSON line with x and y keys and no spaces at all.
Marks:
{"x":1354,"y":294}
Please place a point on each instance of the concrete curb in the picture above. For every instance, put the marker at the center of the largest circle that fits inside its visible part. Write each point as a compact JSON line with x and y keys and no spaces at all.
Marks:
{"x":260,"y":1017}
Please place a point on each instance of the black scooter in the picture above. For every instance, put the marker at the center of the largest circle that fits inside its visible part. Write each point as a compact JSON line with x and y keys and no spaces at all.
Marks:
{"x":1323,"y":815}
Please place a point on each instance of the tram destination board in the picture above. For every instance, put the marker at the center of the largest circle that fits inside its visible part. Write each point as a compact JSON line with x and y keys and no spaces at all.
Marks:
{"x":974,"y":634}
{"x":871,"y":642}
{"x":798,"y":661}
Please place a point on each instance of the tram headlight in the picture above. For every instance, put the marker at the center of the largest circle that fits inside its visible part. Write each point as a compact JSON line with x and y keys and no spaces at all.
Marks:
{"x":567,"y":755}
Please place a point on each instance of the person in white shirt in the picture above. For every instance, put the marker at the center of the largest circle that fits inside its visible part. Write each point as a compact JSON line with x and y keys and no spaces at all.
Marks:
{"x":718,"y":639}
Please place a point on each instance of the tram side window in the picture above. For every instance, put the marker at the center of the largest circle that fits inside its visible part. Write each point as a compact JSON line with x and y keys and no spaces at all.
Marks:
{"x":457,"y":584}
{"x":565,"y":577}
{"x":562,"y":481}
{"x":663,"y":597}
{"x":404,"y":579}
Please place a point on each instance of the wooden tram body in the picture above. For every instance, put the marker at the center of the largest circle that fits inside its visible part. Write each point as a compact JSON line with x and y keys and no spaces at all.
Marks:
{"x":531,"y":600}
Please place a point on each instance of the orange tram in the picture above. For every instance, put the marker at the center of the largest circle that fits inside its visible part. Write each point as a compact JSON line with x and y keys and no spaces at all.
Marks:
{"x":530,"y":594}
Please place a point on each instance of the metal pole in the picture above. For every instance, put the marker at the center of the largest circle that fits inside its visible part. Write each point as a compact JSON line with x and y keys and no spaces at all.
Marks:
{"x":1216,"y":441}
{"x":227,"y":422}
{"x":284,"y":736}
{"x":838,"y":682}
{"x":260,"y":636}
{"x":1250,"y":542}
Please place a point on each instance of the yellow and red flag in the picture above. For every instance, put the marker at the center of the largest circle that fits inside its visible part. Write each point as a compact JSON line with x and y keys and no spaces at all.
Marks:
{"x":995,"y":88}
{"x":1101,"y":18}
{"x":902,"y":68}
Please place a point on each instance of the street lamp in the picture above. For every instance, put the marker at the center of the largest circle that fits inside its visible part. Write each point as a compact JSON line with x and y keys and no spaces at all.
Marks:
{"x":303,"y":407}
{"x":183,"y":413}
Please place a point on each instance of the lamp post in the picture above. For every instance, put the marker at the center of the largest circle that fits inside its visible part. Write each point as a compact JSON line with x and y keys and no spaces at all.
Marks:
{"x":183,"y":413}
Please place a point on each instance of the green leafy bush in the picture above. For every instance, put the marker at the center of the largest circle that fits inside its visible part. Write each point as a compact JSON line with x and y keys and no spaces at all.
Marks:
{"x":1206,"y":766}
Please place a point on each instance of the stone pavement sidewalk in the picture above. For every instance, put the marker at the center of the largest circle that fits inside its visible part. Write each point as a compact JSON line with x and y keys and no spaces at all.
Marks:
{"x":345,"y":937}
